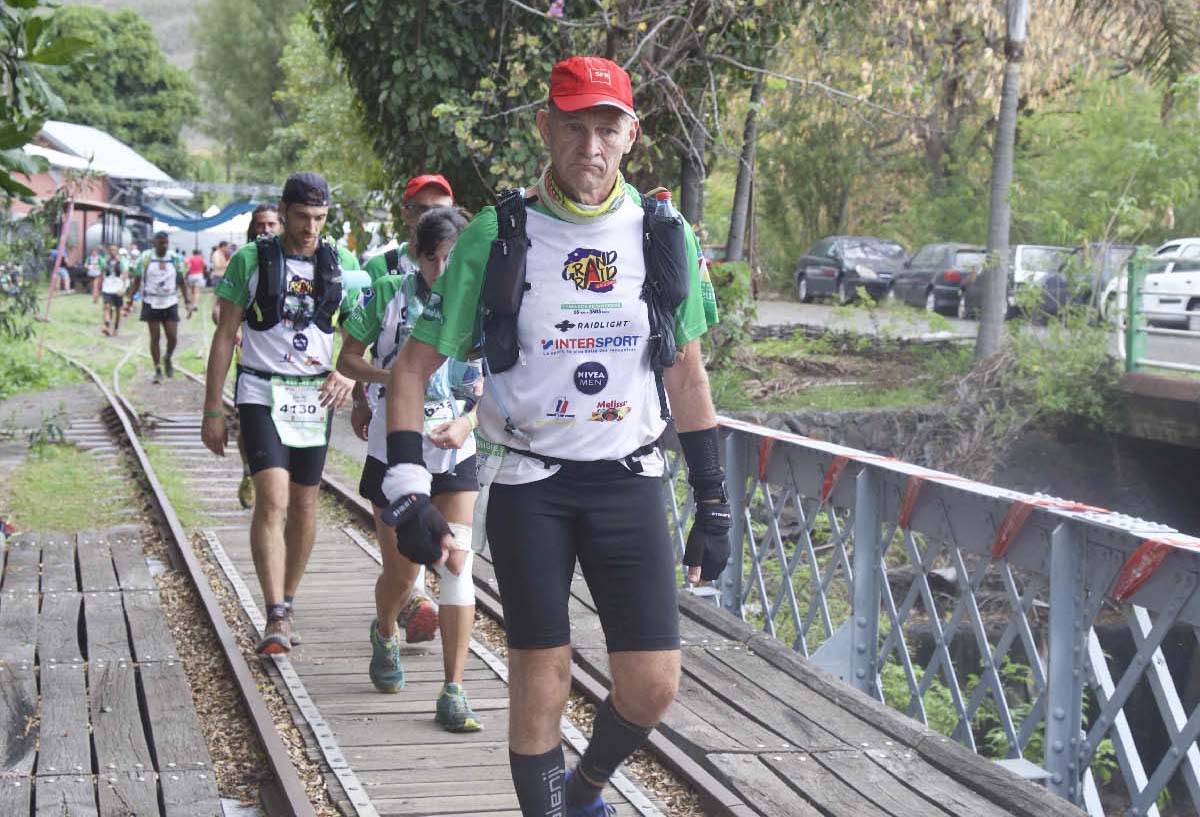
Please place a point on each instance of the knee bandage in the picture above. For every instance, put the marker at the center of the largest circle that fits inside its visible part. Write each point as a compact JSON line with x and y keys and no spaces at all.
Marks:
{"x":458,"y":590}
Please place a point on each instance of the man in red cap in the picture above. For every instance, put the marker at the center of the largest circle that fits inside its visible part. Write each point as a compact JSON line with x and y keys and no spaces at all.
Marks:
{"x":579,"y":387}
{"x":421,"y":194}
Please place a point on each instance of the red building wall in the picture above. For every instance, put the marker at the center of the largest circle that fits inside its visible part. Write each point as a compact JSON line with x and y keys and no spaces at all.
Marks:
{"x":45,"y":185}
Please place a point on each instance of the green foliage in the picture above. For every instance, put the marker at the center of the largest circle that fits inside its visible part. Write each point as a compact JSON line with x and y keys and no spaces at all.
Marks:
{"x":125,"y":86}
{"x":1064,"y":371}
{"x":453,"y":86}
{"x":21,"y":369}
{"x":325,"y":130}
{"x":239,"y":47}
{"x":731,"y":282}
{"x":30,"y":52}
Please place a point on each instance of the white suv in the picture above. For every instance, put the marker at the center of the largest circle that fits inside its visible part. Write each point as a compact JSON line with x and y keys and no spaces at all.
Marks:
{"x":1171,"y":294}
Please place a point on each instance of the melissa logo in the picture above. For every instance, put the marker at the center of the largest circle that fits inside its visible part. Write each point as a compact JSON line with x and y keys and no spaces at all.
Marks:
{"x":591,"y":378}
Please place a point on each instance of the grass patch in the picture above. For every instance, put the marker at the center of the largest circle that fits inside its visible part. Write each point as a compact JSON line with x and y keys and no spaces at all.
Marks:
{"x":175,"y":485}
{"x":346,"y":468}
{"x":60,"y":488}
{"x":729,"y":394}
{"x":21,"y":371}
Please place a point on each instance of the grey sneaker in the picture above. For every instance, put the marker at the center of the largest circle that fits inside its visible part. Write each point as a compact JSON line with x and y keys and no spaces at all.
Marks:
{"x":276,"y":639}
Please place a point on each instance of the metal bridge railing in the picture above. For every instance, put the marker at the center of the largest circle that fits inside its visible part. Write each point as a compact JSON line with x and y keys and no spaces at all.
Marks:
{"x":1133,"y":328}
{"x":1031,"y":629}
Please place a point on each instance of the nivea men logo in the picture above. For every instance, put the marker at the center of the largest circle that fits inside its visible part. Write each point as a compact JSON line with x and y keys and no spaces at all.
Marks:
{"x":591,"y":377}
{"x":299,"y":342}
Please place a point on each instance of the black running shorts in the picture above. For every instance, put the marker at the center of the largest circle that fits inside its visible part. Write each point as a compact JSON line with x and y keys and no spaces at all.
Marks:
{"x":264,"y":449}
{"x":610,"y":519}
{"x":115,"y":300}
{"x":462,"y":478}
{"x":168,"y":315}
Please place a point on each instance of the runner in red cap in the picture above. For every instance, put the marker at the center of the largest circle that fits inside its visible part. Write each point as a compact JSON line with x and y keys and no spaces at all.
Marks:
{"x":579,"y":387}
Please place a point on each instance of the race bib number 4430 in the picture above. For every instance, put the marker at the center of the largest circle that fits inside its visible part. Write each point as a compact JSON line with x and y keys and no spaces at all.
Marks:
{"x":297,"y":412}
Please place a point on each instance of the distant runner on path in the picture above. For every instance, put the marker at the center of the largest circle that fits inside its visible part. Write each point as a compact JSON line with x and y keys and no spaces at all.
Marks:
{"x":159,"y":277}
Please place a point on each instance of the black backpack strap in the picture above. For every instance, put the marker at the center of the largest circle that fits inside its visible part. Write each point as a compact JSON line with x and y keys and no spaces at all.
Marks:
{"x":391,"y":260}
{"x":504,"y":282}
{"x":510,"y":214}
{"x":265,"y":305}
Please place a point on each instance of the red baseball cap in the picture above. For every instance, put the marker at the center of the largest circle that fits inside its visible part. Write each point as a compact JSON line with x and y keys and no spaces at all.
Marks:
{"x":430,"y":179}
{"x":584,"y":82}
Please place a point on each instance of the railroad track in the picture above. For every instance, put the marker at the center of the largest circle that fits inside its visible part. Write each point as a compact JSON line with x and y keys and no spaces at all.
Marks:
{"x":287,"y":794}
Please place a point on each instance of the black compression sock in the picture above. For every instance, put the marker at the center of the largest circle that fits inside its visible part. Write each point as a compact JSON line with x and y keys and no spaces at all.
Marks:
{"x":613,"y":740}
{"x":538,"y":780}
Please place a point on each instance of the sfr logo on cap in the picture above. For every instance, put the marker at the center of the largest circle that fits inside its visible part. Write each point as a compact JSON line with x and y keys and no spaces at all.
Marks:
{"x":600,"y":74}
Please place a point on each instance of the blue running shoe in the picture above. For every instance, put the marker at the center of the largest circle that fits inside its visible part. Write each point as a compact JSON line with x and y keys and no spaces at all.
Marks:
{"x":596,"y":808}
{"x":387,"y":674}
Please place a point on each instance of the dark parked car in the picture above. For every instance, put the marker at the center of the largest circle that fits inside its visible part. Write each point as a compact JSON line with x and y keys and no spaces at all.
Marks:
{"x":1084,"y":275}
{"x":1030,"y":265}
{"x":932,"y":279}
{"x":839,"y":265}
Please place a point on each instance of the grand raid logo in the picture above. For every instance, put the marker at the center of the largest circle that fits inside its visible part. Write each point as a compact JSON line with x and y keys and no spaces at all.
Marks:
{"x":593,"y":270}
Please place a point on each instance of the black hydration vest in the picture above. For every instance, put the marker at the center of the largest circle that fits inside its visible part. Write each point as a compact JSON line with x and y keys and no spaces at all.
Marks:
{"x":664,"y":248}
{"x":267,"y":307}
{"x":391,"y":260}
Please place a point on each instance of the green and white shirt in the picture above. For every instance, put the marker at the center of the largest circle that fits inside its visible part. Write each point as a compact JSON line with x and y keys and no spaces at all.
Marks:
{"x":377,"y":267}
{"x":384,"y":322}
{"x":161,"y":275}
{"x":283,"y":349}
{"x":583,"y":388}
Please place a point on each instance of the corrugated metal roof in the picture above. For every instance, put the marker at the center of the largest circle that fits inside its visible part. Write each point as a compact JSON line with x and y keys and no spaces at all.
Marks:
{"x":106,"y":154}
{"x":57,"y":158}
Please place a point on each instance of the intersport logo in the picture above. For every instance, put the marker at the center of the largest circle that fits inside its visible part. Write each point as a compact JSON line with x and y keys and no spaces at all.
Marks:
{"x":589,"y":344}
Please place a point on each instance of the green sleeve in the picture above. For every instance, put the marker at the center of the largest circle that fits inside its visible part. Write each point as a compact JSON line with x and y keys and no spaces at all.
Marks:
{"x":698,"y":311}
{"x":366,"y":322}
{"x":351,"y":297}
{"x":347,"y":259}
{"x":377,"y":266}
{"x":450,"y":322}
{"x":235,"y":286}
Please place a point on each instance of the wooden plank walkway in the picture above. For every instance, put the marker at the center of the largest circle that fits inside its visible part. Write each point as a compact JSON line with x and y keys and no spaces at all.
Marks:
{"x":789,"y":740}
{"x":96,"y":717}
{"x":403,"y":761}
{"x":781,"y":736}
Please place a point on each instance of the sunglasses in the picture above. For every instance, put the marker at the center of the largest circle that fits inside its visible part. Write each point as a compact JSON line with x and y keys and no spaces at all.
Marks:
{"x":419,"y":209}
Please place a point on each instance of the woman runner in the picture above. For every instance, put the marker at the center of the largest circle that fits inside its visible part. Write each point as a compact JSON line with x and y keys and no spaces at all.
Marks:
{"x":385,"y":321}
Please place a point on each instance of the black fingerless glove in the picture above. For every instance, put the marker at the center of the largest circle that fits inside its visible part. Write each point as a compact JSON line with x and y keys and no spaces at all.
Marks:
{"x":419,"y":525}
{"x":708,"y":541}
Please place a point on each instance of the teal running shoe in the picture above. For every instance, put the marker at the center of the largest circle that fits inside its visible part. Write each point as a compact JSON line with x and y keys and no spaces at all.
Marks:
{"x":386,"y":671}
{"x":454,"y":713}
